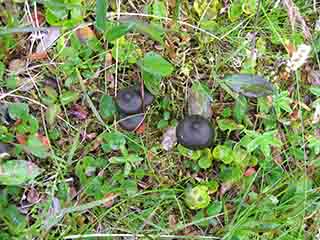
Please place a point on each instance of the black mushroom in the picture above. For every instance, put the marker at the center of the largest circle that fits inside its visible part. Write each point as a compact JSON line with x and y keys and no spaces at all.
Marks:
{"x":147,"y":98}
{"x":4,"y":151}
{"x":131,"y":122}
{"x":129,"y":101}
{"x":195,"y":132}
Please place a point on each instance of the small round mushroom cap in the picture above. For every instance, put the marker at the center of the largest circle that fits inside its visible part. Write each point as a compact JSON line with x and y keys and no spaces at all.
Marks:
{"x":130,"y":122}
{"x":148,"y":97}
{"x":195,"y":132}
{"x":4,"y":151}
{"x":129,"y":101}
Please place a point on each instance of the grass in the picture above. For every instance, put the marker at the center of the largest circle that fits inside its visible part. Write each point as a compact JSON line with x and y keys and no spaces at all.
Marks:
{"x":98,"y":181}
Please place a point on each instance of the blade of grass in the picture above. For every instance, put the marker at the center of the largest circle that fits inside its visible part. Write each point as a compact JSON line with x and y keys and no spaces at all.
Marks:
{"x":101,"y":9}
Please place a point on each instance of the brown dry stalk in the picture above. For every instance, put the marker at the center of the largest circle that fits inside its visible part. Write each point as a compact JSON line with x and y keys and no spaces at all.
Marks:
{"x":295,"y":17}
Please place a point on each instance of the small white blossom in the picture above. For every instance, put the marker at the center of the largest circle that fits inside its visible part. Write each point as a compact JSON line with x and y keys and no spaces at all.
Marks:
{"x":299,"y":57}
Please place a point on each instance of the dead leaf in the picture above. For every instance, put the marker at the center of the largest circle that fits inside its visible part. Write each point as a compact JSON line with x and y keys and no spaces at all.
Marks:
{"x":110,"y":203}
{"x":172,"y":221}
{"x":85,"y":33}
{"x":169,"y":139}
{"x":38,"y":56}
{"x":17,"y":65}
{"x":314,"y":77}
{"x":33,"y":195}
{"x":52,"y":34}
{"x":79,"y":112}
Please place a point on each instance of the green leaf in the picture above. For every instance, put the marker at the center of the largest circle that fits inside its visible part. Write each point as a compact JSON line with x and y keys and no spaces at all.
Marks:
{"x":152,"y":82}
{"x":229,"y":124}
{"x":36,"y":147}
{"x":159,"y":8}
{"x":107,"y":107}
{"x":208,"y":7}
{"x":68,"y":97}
{"x":101,"y":10}
{"x":18,"y":111}
{"x":249,"y":85}
{"x":231,"y":174}
{"x":215,"y":208}
{"x":155,"y":64}
{"x":240,"y":109}
{"x":205,"y":160}
{"x":17,"y":172}
{"x":235,"y":10}
{"x":128,"y":52}
{"x":14,"y":220}
{"x":113,"y":141}
{"x":153,"y":30}
{"x":197,"y":197}
{"x":315,"y":90}
{"x":118,"y":31}
{"x":52,"y":113}
{"x":223,"y":153}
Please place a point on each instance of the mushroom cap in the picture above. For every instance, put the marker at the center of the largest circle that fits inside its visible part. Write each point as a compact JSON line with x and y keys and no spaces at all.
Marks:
{"x":130,"y":122}
{"x":195,"y":132}
{"x":129,"y":101}
{"x":4,"y":151}
{"x":148,"y":97}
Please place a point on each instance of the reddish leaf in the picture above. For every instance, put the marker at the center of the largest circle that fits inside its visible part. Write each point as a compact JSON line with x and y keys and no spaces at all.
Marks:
{"x":85,"y":33}
{"x":250,"y":171}
{"x":38,"y":17}
{"x":21,"y":139}
{"x":38,"y":56}
{"x":141,"y":128}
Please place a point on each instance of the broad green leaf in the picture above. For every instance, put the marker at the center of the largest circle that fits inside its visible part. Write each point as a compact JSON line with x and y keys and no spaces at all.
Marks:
{"x":152,"y":82}
{"x":128,"y":52}
{"x":159,"y":8}
{"x":118,"y":31}
{"x":249,"y":85}
{"x":107,"y":107}
{"x":36,"y":147}
{"x":249,"y":7}
{"x":235,"y":10}
{"x":17,"y":172}
{"x":208,"y":7}
{"x":155,"y":64}
{"x":197,"y":197}
{"x":52,"y":113}
{"x":229,"y":124}
{"x":240,"y":109}
{"x":153,"y":30}
{"x":18,"y":111}
{"x":205,"y":160}
{"x":113,"y":141}
{"x":215,"y":208}
{"x":14,"y":220}
{"x":68,"y":97}
{"x":231,"y":174}
{"x":101,"y":10}
{"x":223,"y":153}
{"x":315,"y":90}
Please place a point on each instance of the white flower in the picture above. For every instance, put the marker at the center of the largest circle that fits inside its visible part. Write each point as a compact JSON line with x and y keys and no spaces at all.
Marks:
{"x":299,"y":57}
